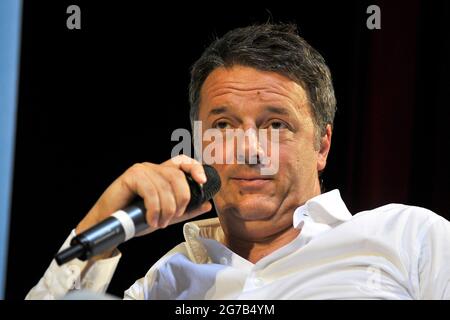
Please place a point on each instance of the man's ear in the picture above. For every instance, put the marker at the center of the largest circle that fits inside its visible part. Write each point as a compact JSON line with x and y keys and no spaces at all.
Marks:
{"x":325,"y":144}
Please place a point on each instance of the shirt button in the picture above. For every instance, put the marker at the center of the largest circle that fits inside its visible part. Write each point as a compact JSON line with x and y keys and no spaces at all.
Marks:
{"x":223,"y":260}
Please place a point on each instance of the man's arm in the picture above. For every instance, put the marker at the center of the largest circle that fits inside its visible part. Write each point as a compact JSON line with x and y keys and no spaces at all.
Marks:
{"x":166,"y":194}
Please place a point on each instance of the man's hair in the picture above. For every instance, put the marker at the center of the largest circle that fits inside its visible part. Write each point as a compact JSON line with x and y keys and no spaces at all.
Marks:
{"x":270,"y":47}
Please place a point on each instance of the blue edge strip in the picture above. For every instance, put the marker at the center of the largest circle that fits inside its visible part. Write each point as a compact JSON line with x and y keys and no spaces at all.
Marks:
{"x":10,"y":28}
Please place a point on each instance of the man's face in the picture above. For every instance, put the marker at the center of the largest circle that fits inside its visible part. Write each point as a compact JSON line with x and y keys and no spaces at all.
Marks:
{"x":250,"y":204}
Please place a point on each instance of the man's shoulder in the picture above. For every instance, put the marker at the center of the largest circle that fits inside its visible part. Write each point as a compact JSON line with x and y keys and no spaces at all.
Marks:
{"x":399,"y":216}
{"x":398,"y":210}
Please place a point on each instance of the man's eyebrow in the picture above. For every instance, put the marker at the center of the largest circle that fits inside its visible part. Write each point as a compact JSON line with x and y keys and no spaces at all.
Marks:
{"x":278,"y":110}
{"x":217,"y":110}
{"x":271,"y":109}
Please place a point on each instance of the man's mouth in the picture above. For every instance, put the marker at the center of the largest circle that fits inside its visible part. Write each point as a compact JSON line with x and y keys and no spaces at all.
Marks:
{"x":251,"y":181}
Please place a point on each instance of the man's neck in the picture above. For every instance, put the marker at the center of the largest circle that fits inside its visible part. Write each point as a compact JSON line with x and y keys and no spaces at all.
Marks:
{"x":254,"y":251}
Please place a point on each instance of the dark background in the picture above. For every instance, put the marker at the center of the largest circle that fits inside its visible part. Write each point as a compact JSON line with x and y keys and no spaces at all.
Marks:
{"x":94,"y":101}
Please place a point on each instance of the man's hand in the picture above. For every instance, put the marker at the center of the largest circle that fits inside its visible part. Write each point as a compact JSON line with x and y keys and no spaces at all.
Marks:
{"x":163,"y":188}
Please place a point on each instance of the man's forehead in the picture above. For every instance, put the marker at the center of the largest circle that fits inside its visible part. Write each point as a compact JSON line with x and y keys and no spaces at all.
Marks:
{"x":224,"y":85}
{"x":248,"y":79}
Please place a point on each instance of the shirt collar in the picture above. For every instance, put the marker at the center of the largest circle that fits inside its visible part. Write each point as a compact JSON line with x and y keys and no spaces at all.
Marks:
{"x":325,"y":211}
{"x":194,"y":230}
{"x":327,"y":208}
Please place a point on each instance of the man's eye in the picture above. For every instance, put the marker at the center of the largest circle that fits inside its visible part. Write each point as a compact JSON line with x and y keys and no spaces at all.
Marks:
{"x":276,"y":125}
{"x":222,"y":125}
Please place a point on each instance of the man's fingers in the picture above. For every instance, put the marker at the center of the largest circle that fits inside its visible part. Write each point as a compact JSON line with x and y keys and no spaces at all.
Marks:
{"x":166,"y":200}
{"x":190,"y":166}
{"x":180,"y":188}
{"x":139,"y":181}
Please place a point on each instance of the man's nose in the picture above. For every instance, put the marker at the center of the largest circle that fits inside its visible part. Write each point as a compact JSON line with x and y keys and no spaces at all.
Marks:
{"x":249,"y":151}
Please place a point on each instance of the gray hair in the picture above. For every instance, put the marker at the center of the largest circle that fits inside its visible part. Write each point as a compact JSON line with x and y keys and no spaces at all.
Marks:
{"x":270,"y":47}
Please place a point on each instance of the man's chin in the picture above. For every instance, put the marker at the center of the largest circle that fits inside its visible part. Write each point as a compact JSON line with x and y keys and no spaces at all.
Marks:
{"x":255,"y":207}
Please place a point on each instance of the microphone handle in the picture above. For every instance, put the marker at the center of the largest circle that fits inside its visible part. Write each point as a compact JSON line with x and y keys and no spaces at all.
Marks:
{"x":117,"y":228}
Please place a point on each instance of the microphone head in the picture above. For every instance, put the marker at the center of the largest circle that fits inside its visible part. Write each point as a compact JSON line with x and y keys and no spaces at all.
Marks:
{"x":200,"y":194}
{"x":213,"y":184}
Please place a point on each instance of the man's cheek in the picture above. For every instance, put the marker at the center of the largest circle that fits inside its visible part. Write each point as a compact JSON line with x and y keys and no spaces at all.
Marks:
{"x":271,"y":163}
{"x":285,"y":156}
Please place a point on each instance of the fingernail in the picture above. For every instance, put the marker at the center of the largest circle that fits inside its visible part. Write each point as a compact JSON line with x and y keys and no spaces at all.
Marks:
{"x":203,"y":177}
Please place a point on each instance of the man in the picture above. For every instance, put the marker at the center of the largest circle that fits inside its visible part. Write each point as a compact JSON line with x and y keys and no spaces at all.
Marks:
{"x":276,"y":236}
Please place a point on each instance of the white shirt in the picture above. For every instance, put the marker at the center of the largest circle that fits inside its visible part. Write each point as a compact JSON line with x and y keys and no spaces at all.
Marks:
{"x":392,"y":252}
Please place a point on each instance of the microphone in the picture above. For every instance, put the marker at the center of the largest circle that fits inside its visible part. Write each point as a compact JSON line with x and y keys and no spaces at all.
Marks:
{"x":124,"y":224}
